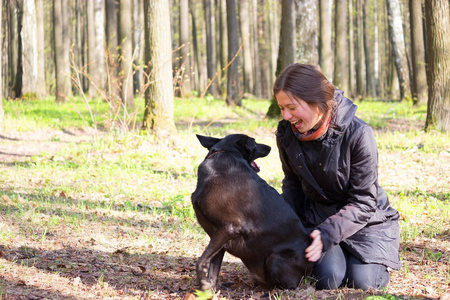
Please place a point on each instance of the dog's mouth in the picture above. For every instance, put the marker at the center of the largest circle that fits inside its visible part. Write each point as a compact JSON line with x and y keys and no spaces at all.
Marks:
{"x":255,"y":166}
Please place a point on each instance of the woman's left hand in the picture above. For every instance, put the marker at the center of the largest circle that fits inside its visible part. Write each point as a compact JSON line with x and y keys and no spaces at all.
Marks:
{"x":314,"y":251}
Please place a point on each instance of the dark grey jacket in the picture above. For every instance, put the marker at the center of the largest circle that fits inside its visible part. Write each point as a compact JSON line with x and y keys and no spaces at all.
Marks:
{"x":332,"y":184}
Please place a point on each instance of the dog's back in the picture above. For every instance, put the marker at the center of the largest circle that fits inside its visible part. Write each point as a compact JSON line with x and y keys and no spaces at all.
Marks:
{"x":260,"y":227}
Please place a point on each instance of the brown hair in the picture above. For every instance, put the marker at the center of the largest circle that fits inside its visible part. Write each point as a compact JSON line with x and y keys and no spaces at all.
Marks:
{"x":306,"y":82}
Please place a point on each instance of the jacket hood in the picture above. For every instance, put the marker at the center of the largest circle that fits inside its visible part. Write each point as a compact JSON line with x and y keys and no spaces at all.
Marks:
{"x":344,"y":112}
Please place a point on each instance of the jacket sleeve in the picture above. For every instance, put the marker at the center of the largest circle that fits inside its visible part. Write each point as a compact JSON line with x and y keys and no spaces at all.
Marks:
{"x":292,"y":191}
{"x":361,"y":201}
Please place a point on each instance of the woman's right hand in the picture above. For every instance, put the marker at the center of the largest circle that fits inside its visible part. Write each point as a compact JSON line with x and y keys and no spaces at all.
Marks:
{"x":314,"y":251}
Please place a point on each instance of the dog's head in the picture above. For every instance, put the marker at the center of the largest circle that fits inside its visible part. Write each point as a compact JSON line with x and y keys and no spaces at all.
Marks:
{"x":245,"y":145}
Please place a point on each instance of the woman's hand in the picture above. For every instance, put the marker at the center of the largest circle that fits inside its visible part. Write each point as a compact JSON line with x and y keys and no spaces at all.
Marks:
{"x":314,"y":251}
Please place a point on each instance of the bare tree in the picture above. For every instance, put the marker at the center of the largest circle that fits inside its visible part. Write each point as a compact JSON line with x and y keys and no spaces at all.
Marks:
{"x":398,"y":46}
{"x":126,"y":52}
{"x":233,"y":87}
{"x":244,"y":22}
{"x":419,"y":76}
{"x":158,"y":114}
{"x":29,"y":49}
{"x":287,"y":47}
{"x":340,"y":78}
{"x":210,"y":52}
{"x":369,"y":47}
{"x":184,"y":51}
{"x":325,"y":51}
{"x":438,"y":49}
{"x":307,"y":28}
{"x":41,"y":88}
{"x":351,"y":52}
{"x":61,"y":39}
{"x":255,"y":50}
{"x":2,"y":113}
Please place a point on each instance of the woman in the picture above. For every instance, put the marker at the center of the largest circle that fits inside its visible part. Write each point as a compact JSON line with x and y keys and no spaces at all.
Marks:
{"x":329,"y":159}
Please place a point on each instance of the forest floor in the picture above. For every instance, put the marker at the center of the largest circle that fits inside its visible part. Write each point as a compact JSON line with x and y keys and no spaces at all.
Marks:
{"x":73,"y":245}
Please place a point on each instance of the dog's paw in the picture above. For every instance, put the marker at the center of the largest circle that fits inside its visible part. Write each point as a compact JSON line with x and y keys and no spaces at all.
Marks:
{"x":206,"y":285}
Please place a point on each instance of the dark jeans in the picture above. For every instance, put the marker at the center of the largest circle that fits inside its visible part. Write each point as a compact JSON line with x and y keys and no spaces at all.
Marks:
{"x":338,"y":267}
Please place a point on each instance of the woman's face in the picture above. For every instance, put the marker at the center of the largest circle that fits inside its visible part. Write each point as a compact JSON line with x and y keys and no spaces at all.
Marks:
{"x":298,"y":112}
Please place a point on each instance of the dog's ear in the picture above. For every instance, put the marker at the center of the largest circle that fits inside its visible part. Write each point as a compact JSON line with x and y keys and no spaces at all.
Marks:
{"x":207,"y":141}
{"x":248,"y":144}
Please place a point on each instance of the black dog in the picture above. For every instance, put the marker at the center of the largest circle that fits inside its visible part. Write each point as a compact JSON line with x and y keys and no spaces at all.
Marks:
{"x":246,"y":217}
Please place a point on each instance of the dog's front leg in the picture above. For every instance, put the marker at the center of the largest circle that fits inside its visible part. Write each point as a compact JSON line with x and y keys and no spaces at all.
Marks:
{"x":214,"y":266}
{"x":209,"y":263}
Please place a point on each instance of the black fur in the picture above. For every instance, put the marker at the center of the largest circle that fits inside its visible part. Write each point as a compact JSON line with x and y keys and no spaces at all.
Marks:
{"x":246,"y":217}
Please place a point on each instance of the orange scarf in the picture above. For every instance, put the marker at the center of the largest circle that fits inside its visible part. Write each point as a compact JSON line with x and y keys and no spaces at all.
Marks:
{"x":312,"y":134}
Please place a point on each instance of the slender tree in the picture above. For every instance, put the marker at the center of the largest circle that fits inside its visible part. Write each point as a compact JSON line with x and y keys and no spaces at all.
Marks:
{"x":307,"y":28}
{"x":112,"y":41}
{"x":325,"y":50}
{"x":255,"y":50}
{"x":210,"y":52}
{"x":419,"y":76}
{"x":351,"y":52}
{"x":438,"y":49}
{"x":369,"y":47}
{"x":196,"y":52}
{"x":41,"y":89}
{"x":244,"y":22}
{"x":15,"y":48}
{"x":29,"y":49}
{"x":126,"y":52}
{"x":158,"y":114}
{"x":61,"y":38}
{"x":223,"y":44}
{"x":184,"y":51}
{"x":234,"y":96}
{"x":398,"y":46}
{"x":359,"y":52}
{"x":2,"y":113}
{"x":340,"y":78}
{"x":287,"y":47}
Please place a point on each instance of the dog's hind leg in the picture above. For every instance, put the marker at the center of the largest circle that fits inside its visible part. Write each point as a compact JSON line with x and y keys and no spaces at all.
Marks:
{"x":209,"y":263}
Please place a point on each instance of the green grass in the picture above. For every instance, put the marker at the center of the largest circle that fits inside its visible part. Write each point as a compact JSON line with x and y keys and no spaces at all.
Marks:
{"x":122,"y":190}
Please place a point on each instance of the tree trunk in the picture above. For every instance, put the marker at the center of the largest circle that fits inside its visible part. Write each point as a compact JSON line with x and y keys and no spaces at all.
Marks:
{"x":419,"y":79}
{"x":29,"y":50}
{"x":2,"y":113}
{"x":438,"y":49}
{"x":223,"y":44}
{"x":233,"y":87}
{"x":158,"y":114}
{"x":244,"y":22}
{"x":351,"y":52}
{"x":369,"y":47}
{"x":185,"y":65}
{"x":14,"y":42}
{"x":99,"y":15}
{"x":92,"y":64}
{"x":340,"y":78}
{"x":360,"y":60}
{"x":111,"y":37}
{"x":111,"y":27}
{"x":255,"y":51}
{"x":138,"y":44}
{"x":210,"y":52}
{"x":287,"y":48}
{"x":197,"y":73}
{"x":307,"y":48}
{"x":126,"y":52}
{"x":41,"y":88}
{"x":325,"y":30}
{"x":62,"y":65}
{"x":398,"y":46}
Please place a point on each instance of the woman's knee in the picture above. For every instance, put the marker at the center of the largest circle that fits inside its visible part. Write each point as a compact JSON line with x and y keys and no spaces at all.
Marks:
{"x":330,"y":270}
{"x":364,"y":276}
